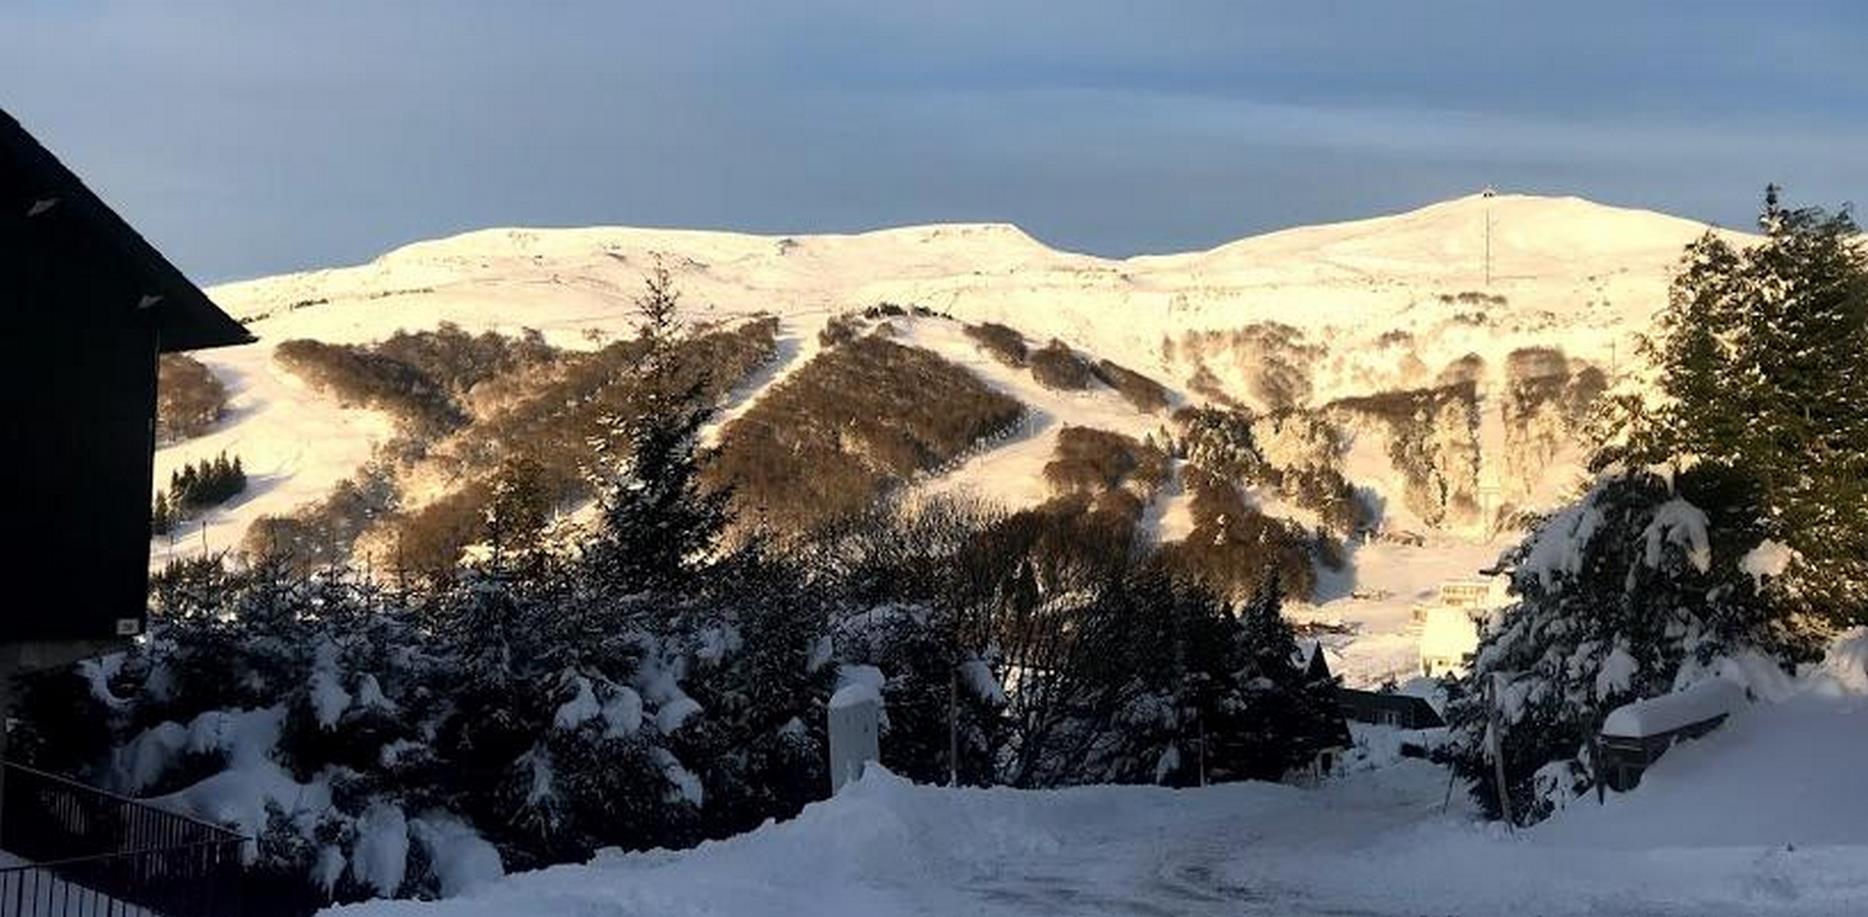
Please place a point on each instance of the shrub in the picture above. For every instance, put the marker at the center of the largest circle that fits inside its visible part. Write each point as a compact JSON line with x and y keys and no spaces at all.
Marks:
{"x":1432,"y":441}
{"x":1233,"y":546}
{"x":422,"y":377}
{"x":841,"y":329}
{"x":1095,"y":461}
{"x":1144,"y":393}
{"x":1055,"y":366}
{"x":553,"y":415}
{"x":1004,"y":344}
{"x":1271,"y":359}
{"x":1204,"y":383}
{"x":189,"y":399}
{"x":320,"y":534}
{"x":853,"y":421}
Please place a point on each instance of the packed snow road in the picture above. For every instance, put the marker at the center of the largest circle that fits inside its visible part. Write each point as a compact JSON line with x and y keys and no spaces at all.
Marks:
{"x":1764,"y":818}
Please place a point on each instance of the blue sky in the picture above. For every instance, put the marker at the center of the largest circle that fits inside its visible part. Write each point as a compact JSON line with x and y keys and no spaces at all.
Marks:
{"x":247,"y":137}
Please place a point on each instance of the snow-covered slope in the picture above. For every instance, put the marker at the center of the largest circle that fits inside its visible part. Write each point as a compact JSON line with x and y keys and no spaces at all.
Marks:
{"x":1303,"y":316}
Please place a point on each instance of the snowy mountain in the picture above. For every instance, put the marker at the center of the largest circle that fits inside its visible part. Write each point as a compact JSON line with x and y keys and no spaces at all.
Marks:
{"x":1446,"y":355}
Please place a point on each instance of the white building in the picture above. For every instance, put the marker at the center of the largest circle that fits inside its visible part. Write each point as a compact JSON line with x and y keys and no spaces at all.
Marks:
{"x":1450,"y":624}
{"x":1448,"y":637}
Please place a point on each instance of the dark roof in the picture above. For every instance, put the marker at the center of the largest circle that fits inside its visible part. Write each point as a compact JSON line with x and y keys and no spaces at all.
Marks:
{"x":30,"y":177}
{"x":1316,"y":666}
{"x":1414,"y":711}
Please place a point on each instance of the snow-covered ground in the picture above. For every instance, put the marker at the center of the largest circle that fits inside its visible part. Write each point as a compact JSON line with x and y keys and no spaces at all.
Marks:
{"x":1764,"y":817}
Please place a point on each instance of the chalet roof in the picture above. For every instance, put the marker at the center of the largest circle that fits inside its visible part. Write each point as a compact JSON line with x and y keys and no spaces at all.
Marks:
{"x":35,"y":182}
{"x":1415,"y":709}
{"x":1311,"y":659}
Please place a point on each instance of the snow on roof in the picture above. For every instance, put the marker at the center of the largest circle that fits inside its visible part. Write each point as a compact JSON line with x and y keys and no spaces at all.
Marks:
{"x":858,"y":684}
{"x":1658,"y":715}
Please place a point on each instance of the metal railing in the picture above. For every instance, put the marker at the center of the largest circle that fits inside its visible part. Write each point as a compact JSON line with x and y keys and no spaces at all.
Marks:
{"x":94,"y":852}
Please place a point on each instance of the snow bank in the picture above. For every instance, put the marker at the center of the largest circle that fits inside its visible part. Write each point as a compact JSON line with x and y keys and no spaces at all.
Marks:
{"x":1656,"y":715}
{"x":1780,"y":774}
{"x":461,"y":859}
{"x":1374,"y":843}
{"x":381,"y":857}
{"x":1845,"y":670}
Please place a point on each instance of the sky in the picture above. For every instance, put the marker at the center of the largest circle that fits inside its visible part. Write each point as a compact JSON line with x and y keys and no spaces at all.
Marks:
{"x":249,"y":137}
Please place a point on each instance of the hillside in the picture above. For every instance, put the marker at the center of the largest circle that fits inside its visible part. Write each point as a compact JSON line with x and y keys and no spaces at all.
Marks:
{"x":1371,"y":355}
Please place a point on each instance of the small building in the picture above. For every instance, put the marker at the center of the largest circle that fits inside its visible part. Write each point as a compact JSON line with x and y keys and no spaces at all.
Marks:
{"x":1403,"y":711}
{"x":1450,"y":624}
{"x":1447,"y":639}
{"x":1635,"y":735}
{"x":1476,"y":597}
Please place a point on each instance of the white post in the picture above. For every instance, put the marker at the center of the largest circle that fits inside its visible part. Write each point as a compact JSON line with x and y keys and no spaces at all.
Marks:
{"x":853,"y":740}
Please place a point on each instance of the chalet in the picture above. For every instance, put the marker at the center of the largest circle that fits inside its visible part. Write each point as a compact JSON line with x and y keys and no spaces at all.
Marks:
{"x":1317,"y":669}
{"x":1635,"y":735}
{"x":87,"y":306}
{"x":1404,"y":711}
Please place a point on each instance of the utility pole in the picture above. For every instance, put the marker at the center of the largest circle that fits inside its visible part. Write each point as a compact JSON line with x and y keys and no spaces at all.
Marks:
{"x":1487,"y":194}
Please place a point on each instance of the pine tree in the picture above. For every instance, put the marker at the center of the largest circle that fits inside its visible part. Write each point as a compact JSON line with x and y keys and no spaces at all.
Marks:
{"x":1760,"y":360}
{"x":1288,"y":726}
{"x":518,"y":511}
{"x":161,"y":518}
{"x":659,"y":526}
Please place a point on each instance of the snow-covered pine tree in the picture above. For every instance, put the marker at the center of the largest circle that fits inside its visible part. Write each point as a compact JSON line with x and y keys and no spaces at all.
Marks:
{"x":1638,"y":589}
{"x":758,"y":741}
{"x":1759,"y":362}
{"x":658,"y":525}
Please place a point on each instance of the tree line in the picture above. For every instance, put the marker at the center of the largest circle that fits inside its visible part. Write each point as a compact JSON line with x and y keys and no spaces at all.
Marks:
{"x":194,"y":488}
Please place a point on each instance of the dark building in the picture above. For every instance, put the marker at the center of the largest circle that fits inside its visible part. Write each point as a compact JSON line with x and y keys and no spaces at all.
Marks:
{"x":87,"y":305}
{"x":1403,"y":710}
{"x":1317,"y":671}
